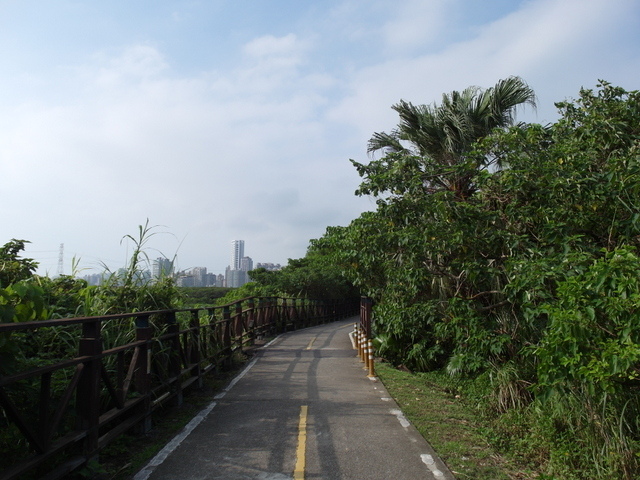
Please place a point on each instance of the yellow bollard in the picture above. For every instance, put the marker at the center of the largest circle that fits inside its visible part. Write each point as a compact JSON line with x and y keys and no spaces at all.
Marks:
{"x":372,"y":372}
{"x":365,"y":354}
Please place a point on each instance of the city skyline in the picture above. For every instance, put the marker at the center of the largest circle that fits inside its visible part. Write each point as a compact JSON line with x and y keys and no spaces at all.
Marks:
{"x":197,"y":276}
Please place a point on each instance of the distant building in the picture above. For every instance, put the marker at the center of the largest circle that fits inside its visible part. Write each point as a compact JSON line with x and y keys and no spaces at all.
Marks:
{"x":237,"y":252}
{"x":235,"y":278}
{"x":236,"y":272}
{"x":200,"y":276}
{"x":185,"y":281}
{"x":94,"y":279}
{"x":210,"y":280}
{"x":246,"y":264}
{"x":162,"y":267}
{"x":196,"y":277}
{"x":269,"y":266}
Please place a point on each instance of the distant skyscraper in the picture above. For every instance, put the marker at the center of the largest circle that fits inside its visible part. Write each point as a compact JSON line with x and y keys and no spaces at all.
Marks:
{"x":269,"y":266}
{"x":246,"y":264}
{"x":236,"y":273}
{"x":237,"y":252}
{"x":162,"y":267}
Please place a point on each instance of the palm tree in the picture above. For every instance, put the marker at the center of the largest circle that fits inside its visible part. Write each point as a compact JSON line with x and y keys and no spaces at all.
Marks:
{"x":439,"y":136}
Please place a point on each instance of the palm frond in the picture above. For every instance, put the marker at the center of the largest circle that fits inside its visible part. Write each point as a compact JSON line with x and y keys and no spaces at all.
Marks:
{"x":441,"y":135}
{"x":385,"y":142}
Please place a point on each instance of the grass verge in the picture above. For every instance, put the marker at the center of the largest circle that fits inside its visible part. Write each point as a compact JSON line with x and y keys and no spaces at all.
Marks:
{"x":453,"y":426}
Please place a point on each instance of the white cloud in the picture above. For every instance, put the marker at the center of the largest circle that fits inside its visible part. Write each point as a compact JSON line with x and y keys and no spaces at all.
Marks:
{"x":204,"y":155}
{"x":271,"y":46}
{"x":136,"y":63}
{"x":260,"y":150}
{"x":557,"y":46}
{"x":415,"y":24}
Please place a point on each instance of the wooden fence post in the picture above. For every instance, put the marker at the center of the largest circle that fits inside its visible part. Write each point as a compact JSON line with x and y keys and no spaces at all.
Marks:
{"x":251,"y":320}
{"x":366,"y":305}
{"x":88,"y":390}
{"x":239,"y":325}
{"x":173,"y":329}
{"x":195,"y":347}
{"x":143,"y":369}
{"x":226,"y":337}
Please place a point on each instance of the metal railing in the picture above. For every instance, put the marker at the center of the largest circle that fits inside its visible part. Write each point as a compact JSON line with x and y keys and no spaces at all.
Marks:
{"x":72,"y":407}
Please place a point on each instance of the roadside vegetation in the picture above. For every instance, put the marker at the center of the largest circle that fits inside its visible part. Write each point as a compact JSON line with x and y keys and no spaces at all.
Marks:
{"x":196,"y":296}
{"x":506,"y":255}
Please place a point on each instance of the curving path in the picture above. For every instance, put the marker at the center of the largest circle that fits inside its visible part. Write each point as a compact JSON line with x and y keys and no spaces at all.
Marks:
{"x":303,"y":408}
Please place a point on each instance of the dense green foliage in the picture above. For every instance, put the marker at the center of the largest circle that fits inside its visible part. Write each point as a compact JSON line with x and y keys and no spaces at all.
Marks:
{"x":14,"y":268}
{"x":313,"y":277}
{"x":199,"y":296}
{"x":28,"y":297}
{"x":516,"y":257}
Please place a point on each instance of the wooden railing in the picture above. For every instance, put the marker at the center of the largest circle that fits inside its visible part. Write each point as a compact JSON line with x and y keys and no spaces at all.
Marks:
{"x":59,"y":415}
{"x":366,"y":307}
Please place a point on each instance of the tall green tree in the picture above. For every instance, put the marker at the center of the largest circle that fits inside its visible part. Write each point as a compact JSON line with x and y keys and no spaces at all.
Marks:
{"x":431,"y":139}
{"x":13,"y":267}
{"x":314,"y":276}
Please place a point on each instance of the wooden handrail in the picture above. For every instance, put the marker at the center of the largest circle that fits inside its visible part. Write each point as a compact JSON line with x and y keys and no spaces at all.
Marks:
{"x":120,"y":387}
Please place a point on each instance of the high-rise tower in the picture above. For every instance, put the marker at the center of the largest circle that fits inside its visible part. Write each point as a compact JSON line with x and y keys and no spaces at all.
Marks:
{"x":61,"y":260}
{"x":237,"y":252}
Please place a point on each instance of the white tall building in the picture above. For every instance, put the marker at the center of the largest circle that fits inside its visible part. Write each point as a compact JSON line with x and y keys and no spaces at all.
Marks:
{"x":236,"y":274}
{"x":237,"y":252}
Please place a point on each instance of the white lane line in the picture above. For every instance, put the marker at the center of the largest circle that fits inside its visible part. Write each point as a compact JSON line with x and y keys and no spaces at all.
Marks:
{"x":235,"y":380}
{"x":431,"y":463}
{"x":162,"y":455}
{"x":401,"y":418}
{"x":175,"y":442}
{"x":426,"y":458}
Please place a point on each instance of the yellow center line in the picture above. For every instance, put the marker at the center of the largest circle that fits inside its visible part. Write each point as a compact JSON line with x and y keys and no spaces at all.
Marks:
{"x":311,"y":343}
{"x":298,"y":473}
{"x":346,"y":326}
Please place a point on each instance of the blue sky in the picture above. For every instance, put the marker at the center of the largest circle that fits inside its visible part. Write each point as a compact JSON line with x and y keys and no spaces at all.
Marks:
{"x":220,"y":120}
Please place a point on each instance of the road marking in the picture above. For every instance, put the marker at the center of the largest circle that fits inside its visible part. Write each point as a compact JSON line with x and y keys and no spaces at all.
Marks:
{"x":351,"y":324}
{"x":298,"y":473}
{"x":431,"y":463}
{"x":175,"y":442}
{"x":236,"y":379}
{"x":401,"y":418}
{"x":311,"y":342}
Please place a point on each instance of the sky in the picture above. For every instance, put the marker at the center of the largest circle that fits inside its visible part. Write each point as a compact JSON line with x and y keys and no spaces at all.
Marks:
{"x":217,"y":120}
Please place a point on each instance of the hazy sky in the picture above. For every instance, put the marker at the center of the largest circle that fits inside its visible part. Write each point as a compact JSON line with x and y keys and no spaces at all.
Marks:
{"x":235,"y":119}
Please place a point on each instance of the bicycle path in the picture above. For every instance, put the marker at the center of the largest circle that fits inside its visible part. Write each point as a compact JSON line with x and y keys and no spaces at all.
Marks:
{"x":303,"y":408}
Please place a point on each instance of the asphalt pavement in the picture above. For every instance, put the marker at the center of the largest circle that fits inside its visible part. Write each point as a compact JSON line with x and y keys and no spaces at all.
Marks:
{"x":304,"y":408}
